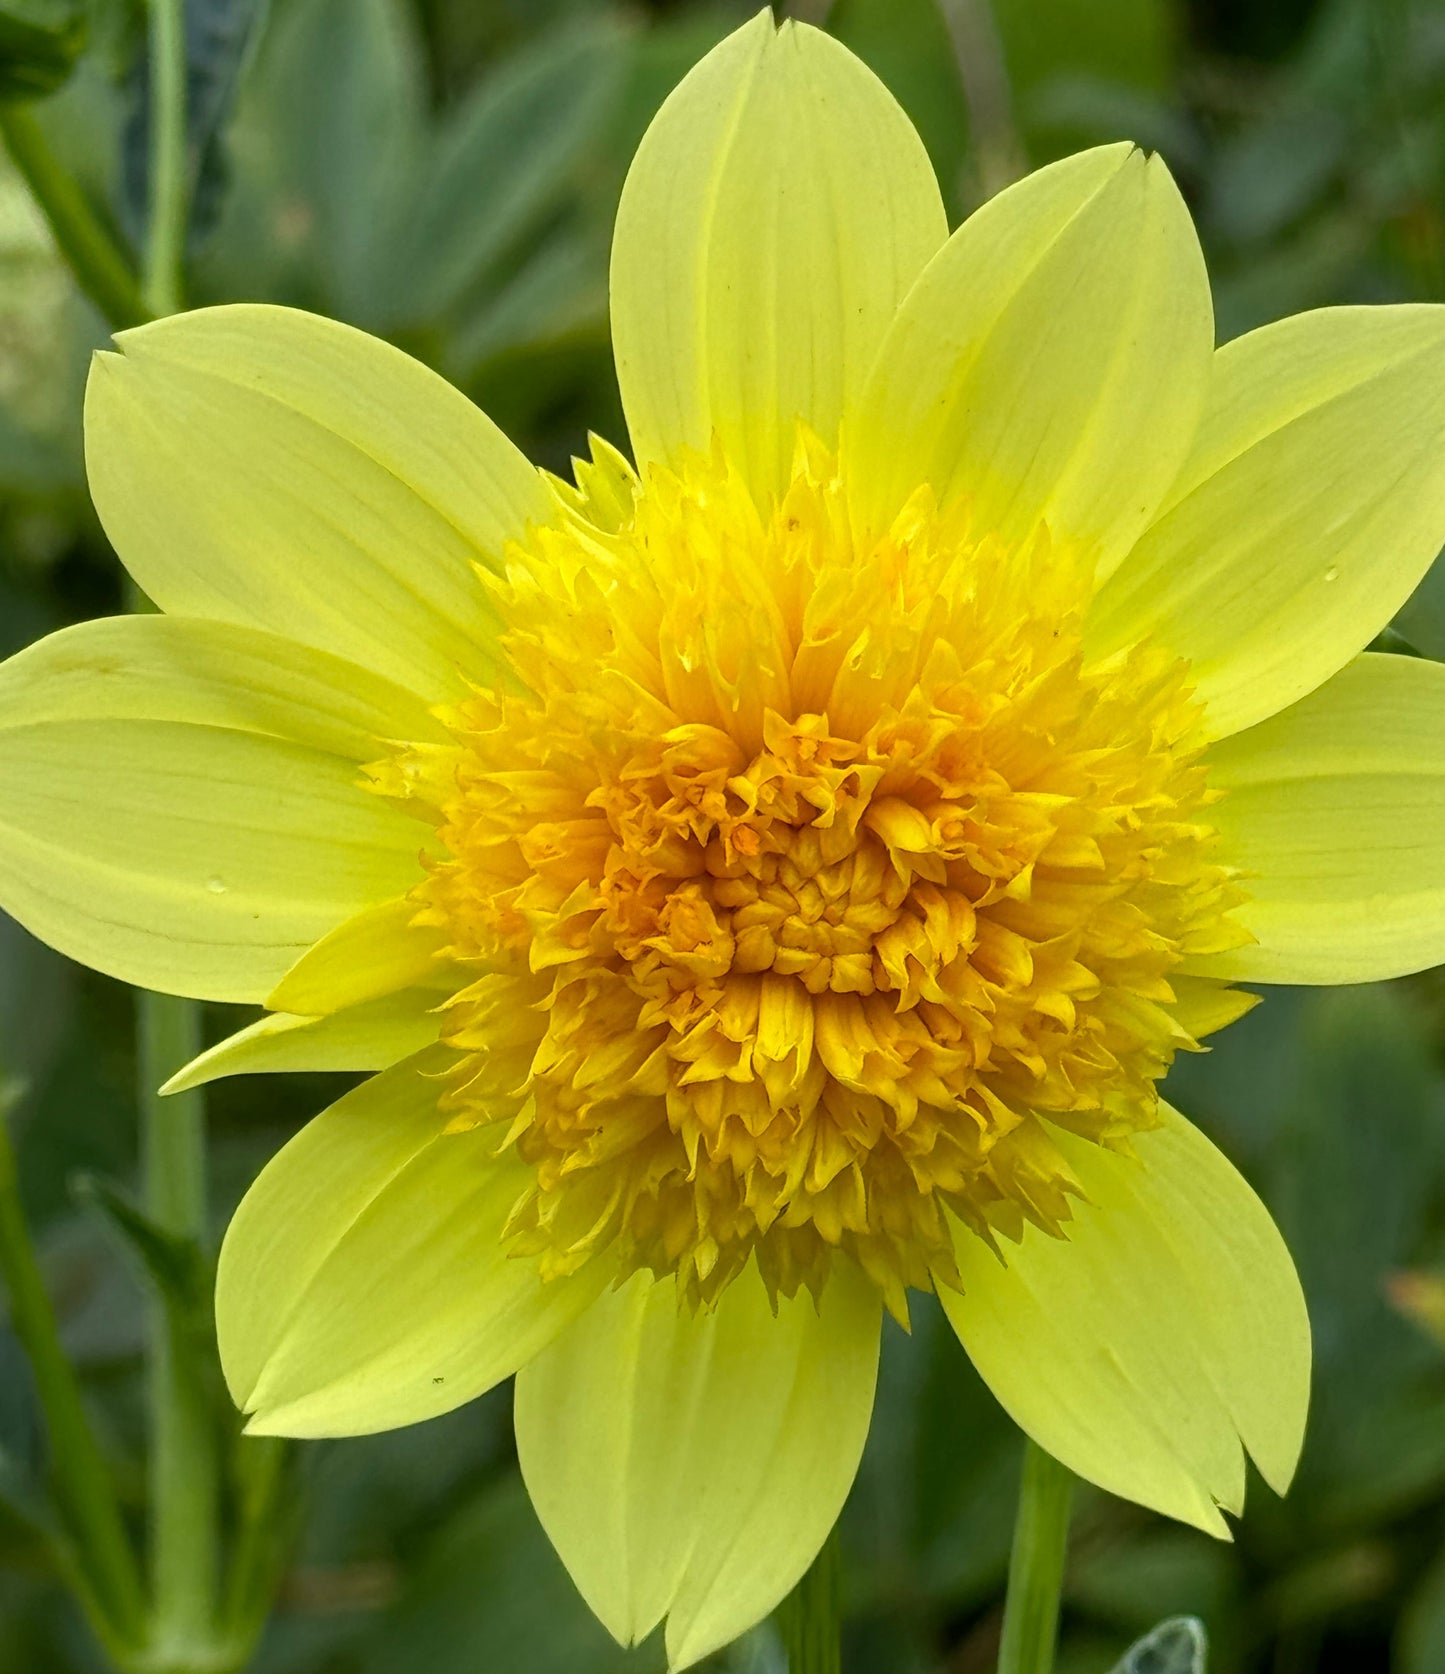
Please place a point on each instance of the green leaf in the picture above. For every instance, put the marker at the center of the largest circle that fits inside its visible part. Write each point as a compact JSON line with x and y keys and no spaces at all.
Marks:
{"x":1357,"y":1155}
{"x":1275,"y":172}
{"x":1420,"y":1638}
{"x":328,"y":126}
{"x":40,"y":41}
{"x":957,"y":1459}
{"x":560,"y":290}
{"x":176,"y":1266}
{"x":218,"y":37}
{"x":22,"y":1449}
{"x":35,"y":987}
{"x":489,"y":1592}
{"x":1158,"y":1568}
{"x":31,"y":463}
{"x":1177,"y":1646}
{"x":498,"y":166}
{"x":1128,"y":41}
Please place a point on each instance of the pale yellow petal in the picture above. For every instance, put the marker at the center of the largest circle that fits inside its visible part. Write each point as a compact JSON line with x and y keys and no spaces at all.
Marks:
{"x":1335,"y":814}
{"x":1201,"y":1005}
{"x":375,"y":953}
{"x":776,"y":213}
{"x":1313,"y":502}
{"x":1163,"y":1332}
{"x":364,"y":1282}
{"x":183,"y":806}
{"x":1050,"y":363}
{"x":198,"y":860}
{"x":691,"y":1465}
{"x":267,"y":467}
{"x":372,"y":1036}
{"x":210,"y":674}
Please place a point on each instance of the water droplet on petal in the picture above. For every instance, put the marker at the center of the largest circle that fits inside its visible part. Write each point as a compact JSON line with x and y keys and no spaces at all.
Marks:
{"x":217,"y":886}
{"x":1332,"y":573}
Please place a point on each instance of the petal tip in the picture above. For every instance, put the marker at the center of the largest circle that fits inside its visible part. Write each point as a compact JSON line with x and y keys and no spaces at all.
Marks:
{"x":1277,"y":1458}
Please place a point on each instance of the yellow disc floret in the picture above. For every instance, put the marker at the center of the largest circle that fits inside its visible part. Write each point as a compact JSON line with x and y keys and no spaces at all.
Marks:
{"x":807,"y":881}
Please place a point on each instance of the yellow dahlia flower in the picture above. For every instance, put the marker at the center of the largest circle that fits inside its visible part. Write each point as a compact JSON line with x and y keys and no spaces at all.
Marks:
{"x":770,"y":875}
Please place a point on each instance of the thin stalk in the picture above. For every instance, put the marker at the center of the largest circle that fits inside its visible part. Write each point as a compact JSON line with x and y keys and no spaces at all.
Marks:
{"x":263,"y":1526}
{"x":97,"y":261}
{"x":169,"y":204}
{"x":1036,"y":1566}
{"x":184,"y":1462}
{"x":998,"y":152}
{"x":84,"y":1485}
{"x":184,"y":1468}
{"x":808,"y":1617}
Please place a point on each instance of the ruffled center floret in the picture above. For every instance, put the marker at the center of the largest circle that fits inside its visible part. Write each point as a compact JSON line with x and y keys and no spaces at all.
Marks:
{"x":808,"y":881}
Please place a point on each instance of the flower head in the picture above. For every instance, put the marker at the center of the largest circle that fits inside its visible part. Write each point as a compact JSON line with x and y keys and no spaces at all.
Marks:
{"x":811,"y":881}
{"x":772,"y":876}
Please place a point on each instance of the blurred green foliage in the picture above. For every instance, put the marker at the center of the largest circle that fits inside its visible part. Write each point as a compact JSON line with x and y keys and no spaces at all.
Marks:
{"x":445,"y":172}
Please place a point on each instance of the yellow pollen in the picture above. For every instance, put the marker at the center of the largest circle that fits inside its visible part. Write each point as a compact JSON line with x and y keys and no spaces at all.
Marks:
{"x":809,"y":884}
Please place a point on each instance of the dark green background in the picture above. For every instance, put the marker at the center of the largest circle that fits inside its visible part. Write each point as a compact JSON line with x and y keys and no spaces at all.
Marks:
{"x":444,"y":172}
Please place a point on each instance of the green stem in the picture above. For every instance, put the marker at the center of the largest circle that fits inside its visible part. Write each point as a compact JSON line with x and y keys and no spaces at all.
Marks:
{"x":998,"y":152}
{"x":1036,"y":1566}
{"x":84,"y":1486}
{"x":169,"y":173}
{"x":184,"y":1463}
{"x":808,"y":1617}
{"x":184,"y":1468}
{"x":264,"y":1524}
{"x":96,"y":260}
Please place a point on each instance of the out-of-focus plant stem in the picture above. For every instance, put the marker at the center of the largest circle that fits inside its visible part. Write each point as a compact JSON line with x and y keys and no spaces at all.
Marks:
{"x":169,"y":197}
{"x":97,"y":261}
{"x":808,"y":1617}
{"x":184,"y":1469}
{"x":1036,"y":1566}
{"x":98,"y":1557}
{"x":264,"y":1525}
{"x":998,"y":152}
{"x":184,"y":1465}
